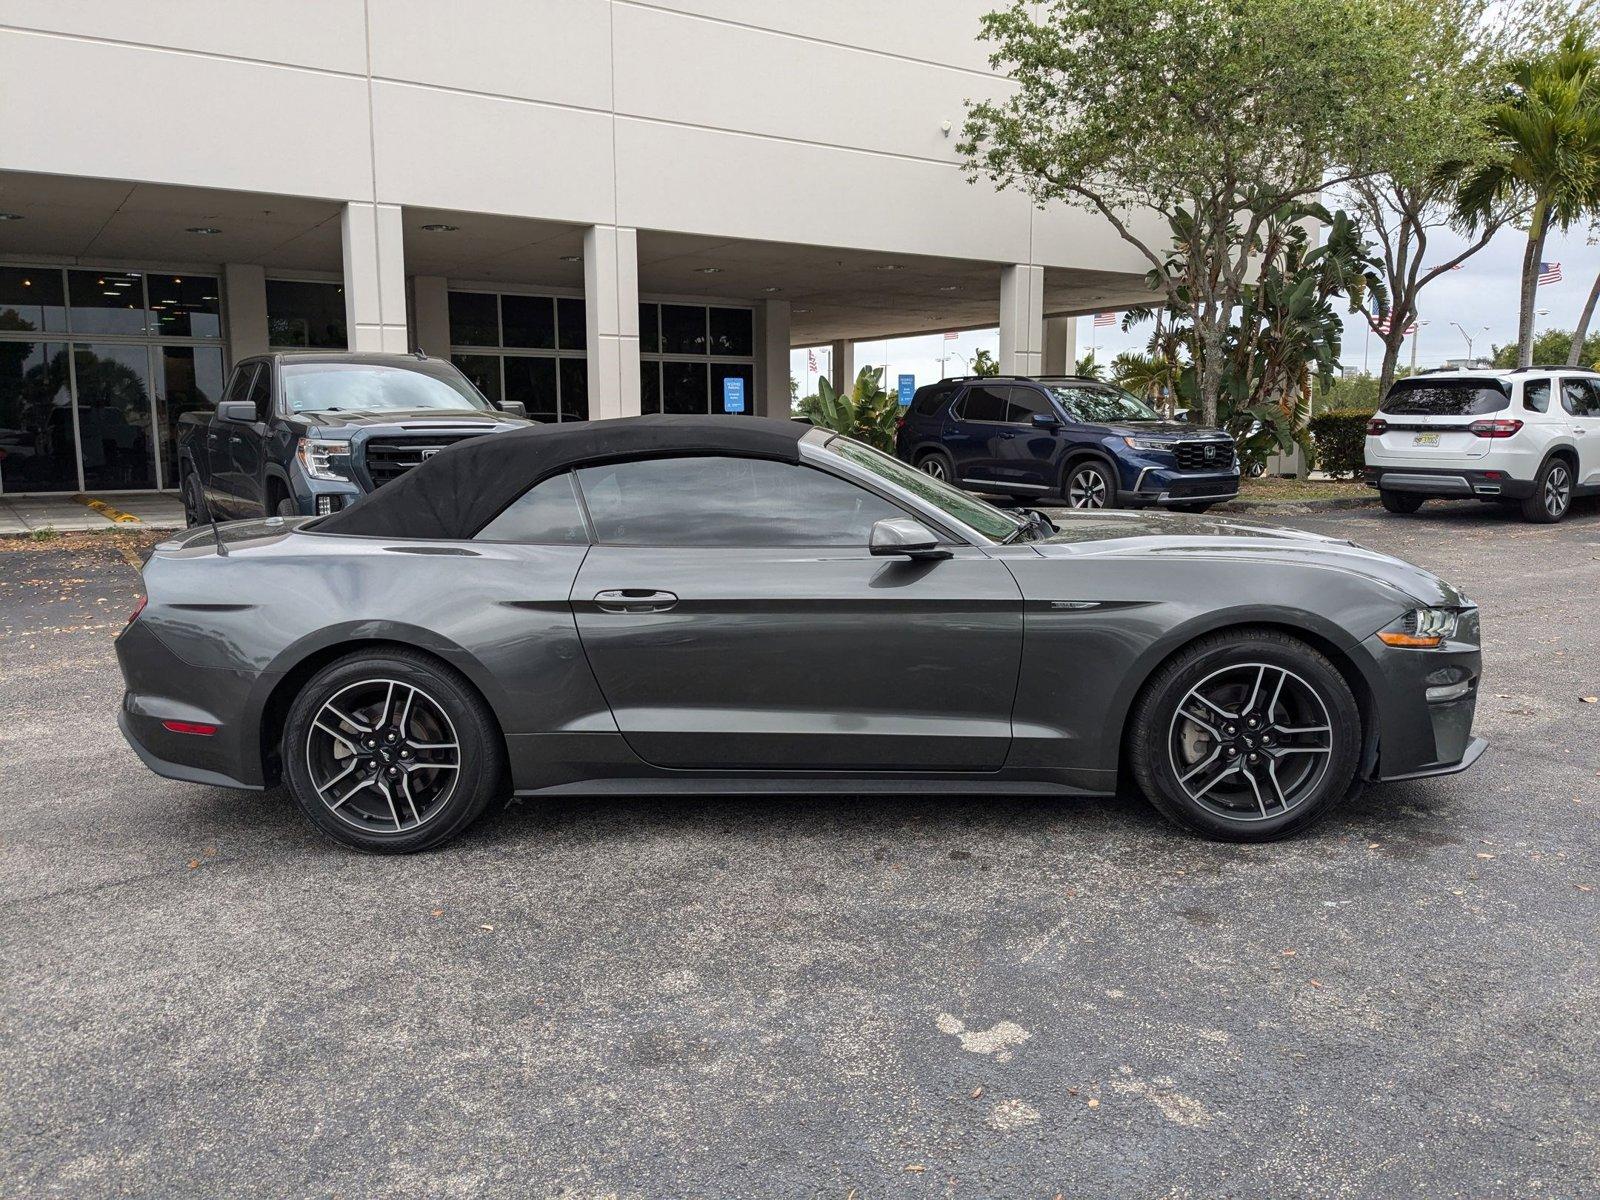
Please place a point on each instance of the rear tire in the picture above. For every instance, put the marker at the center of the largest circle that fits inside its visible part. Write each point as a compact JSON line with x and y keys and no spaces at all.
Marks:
{"x":1217,"y":775}
{"x":1552,"y":494}
{"x":377,"y":777}
{"x":194,"y":500}
{"x":1401,"y":502}
{"x":936,"y":463}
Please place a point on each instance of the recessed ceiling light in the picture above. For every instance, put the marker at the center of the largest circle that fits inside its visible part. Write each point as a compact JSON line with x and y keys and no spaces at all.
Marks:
{"x":5,"y":216}
{"x":440,"y":228}
{"x":890,"y":267}
{"x":802,"y":310}
{"x":949,"y":287}
{"x":772,"y":289}
{"x":202,"y":229}
{"x":708,"y":270}
{"x":572,"y":258}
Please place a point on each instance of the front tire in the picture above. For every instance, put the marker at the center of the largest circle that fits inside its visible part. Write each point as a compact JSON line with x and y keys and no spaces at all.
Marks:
{"x":1245,"y":736}
{"x":391,"y":752}
{"x":1090,"y":484}
{"x":1552,"y":494}
{"x":1401,"y":502}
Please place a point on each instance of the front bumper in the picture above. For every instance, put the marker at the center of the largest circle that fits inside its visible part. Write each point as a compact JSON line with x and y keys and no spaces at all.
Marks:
{"x":1425,"y":705}
{"x":1448,"y":482}
{"x":1166,"y":484}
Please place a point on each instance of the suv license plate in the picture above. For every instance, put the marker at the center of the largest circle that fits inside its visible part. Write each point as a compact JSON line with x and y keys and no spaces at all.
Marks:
{"x":1426,"y":439}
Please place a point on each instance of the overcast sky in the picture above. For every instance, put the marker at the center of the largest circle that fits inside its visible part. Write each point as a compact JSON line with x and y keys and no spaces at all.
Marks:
{"x":1482,"y":297}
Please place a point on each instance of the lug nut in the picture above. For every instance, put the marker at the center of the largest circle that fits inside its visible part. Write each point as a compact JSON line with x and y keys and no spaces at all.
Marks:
{"x":1232,"y":750}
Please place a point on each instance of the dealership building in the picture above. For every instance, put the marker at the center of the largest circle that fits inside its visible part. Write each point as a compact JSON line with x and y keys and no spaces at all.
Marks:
{"x":595,"y":207}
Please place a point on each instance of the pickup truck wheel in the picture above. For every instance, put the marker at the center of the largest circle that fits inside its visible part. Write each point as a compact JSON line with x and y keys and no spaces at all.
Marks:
{"x":194,"y":500}
{"x":288,"y":508}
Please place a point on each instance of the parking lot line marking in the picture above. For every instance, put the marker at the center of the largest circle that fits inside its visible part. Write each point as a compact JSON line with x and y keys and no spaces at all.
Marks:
{"x":105,"y":510}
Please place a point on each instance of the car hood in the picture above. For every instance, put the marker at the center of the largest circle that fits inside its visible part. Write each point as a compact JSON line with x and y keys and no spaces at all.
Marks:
{"x":1173,"y":534}
{"x":410,"y":418}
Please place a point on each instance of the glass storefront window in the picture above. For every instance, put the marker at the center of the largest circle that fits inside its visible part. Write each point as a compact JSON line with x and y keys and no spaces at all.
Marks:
{"x":38,"y":450}
{"x":649,"y":329}
{"x":106,"y":302}
{"x":574,"y":389}
{"x":572,"y":320}
{"x":529,"y":322}
{"x":114,"y":418}
{"x":483,"y":370}
{"x":732,"y":332}
{"x":474,"y":319}
{"x":305,"y":314}
{"x":683,"y":329}
{"x":31,"y":300}
{"x":649,"y":386}
{"x":533,"y":381}
{"x":683,"y":386}
{"x":185,"y":305}
{"x":188,"y":379}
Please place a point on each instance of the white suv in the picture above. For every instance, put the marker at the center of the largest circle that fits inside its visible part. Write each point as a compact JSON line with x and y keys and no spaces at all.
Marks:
{"x":1529,"y":436}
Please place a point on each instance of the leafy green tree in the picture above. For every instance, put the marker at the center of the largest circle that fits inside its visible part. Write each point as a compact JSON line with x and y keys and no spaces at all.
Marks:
{"x":1088,"y":367}
{"x":1554,"y":346}
{"x":983,"y":363}
{"x":1215,"y":115}
{"x":866,"y":412}
{"x":1545,"y":133}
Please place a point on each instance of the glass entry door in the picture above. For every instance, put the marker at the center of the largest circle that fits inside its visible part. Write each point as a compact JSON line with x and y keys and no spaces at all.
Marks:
{"x":116,"y":416}
{"x":38,"y":451}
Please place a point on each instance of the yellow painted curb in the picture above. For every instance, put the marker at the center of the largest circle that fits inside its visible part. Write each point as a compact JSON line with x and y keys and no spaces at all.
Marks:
{"x":105,"y":510}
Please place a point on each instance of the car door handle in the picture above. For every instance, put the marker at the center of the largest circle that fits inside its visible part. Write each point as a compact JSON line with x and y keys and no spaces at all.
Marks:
{"x":625,"y":600}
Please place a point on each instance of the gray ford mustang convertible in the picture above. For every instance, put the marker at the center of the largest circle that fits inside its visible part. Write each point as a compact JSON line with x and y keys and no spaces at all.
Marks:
{"x":728,"y":604}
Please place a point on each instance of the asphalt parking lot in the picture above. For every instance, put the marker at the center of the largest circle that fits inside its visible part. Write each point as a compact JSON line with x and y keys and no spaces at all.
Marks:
{"x":752,"y":998}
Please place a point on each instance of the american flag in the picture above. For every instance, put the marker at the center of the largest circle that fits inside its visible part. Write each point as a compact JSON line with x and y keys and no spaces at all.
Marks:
{"x":1549,"y":272}
{"x":811,"y":360}
{"x":950,"y":337}
{"x":1101,"y":320}
{"x":1381,"y":325}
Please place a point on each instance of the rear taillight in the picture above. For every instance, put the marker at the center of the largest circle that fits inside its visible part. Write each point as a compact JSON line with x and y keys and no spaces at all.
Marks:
{"x":1376,"y":426}
{"x":138,"y":608}
{"x":1494,"y":429}
{"x":899,"y":423}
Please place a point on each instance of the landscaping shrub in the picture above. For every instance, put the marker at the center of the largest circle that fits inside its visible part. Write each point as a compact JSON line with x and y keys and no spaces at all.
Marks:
{"x":1340,"y":440}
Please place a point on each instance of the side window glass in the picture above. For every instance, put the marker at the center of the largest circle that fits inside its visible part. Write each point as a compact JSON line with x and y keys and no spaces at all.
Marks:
{"x":1577,"y":397}
{"x":261,"y":393}
{"x":1594,"y":397}
{"x":727,"y":502}
{"x":1536,"y":395}
{"x":984,"y":404}
{"x":546,"y":513}
{"x":239,"y":384}
{"x":1024,"y":403}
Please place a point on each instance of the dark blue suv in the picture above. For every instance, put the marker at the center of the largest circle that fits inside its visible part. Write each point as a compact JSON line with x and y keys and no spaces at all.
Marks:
{"x":1092,"y":443}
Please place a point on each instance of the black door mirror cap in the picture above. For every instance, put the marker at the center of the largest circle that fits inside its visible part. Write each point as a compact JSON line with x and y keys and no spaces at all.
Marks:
{"x":514,"y":408}
{"x":1044,"y":420}
{"x":240,"y":412}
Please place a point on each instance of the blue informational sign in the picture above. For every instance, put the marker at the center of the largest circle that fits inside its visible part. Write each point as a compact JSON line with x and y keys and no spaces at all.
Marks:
{"x":908,"y":385}
{"x":732,"y":394}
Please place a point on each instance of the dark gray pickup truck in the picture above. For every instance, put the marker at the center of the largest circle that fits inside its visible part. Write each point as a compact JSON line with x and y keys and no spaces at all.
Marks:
{"x":309,"y":433}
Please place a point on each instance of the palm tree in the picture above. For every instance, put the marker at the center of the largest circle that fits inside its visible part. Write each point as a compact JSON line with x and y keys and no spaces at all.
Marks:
{"x":1547,"y":136}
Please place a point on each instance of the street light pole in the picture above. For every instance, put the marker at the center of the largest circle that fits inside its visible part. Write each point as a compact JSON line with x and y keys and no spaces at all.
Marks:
{"x":1468,"y":336}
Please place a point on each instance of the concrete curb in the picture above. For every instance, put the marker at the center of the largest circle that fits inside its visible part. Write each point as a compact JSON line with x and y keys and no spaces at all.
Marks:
{"x":84,"y":527}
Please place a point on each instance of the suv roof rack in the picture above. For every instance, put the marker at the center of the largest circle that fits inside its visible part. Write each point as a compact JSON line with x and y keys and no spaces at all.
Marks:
{"x":1019,"y":378}
{"x":1550,"y":367}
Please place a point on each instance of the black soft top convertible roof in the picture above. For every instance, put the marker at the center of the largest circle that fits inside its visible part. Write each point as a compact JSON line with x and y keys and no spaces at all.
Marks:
{"x":461,"y":489}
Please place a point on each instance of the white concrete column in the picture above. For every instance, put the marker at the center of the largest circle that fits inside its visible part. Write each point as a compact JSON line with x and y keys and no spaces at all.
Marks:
{"x":244,"y":301}
{"x":430,"y":315}
{"x":1060,"y":345}
{"x":772,"y":359}
{"x":1021,"y":320}
{"x":374,"y":277}
{"x":843,"y":375}
{"x":611,"y":312}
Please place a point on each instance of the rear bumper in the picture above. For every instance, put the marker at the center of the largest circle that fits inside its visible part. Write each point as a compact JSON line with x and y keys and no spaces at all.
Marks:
{"x":1448,"y":481}
{"x":174,"y":770}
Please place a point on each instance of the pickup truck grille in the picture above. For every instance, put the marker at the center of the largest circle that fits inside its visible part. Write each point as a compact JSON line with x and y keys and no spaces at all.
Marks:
{"x":1192,"y":456}
{"x":390,"y":458}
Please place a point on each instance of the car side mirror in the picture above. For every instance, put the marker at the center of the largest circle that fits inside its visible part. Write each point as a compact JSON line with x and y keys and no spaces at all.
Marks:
{"x":903,"y":536}
{"x":514,"y":408}
{"x":1046,"y":420}
{"x":240,"y":412}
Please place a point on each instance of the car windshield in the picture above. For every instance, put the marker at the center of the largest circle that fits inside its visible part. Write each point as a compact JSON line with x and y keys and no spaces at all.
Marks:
{"x":374,"y":387}
{"x":988,"y":520}
{"x":1100,"y":403}
{"x":1446,"y":397}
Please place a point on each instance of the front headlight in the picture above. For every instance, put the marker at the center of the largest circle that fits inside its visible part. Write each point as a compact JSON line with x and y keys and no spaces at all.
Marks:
{"x":1147,"y":444}
{"x":325,"y":459}
{"x":1422,"y":628}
